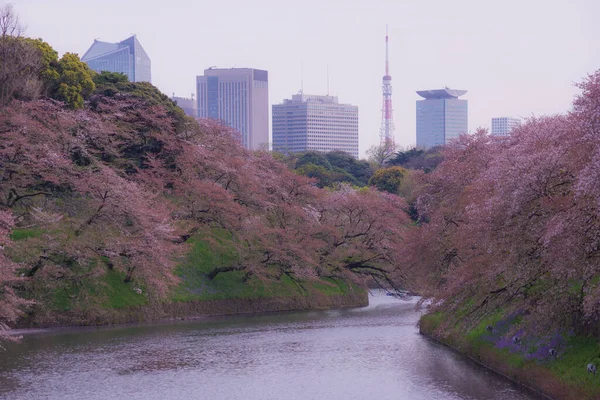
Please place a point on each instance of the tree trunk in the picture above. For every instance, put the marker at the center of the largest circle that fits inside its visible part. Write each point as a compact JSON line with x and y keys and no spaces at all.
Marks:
{"x":212,"y":275}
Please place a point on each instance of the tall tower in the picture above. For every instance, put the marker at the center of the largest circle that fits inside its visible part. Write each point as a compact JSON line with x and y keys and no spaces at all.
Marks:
{"x":441,"y":117}
{"x":240,"y":98}
{"x":386,"y":133}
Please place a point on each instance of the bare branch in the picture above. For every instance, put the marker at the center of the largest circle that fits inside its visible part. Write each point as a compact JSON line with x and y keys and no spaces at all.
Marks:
{"x":10,"y":25}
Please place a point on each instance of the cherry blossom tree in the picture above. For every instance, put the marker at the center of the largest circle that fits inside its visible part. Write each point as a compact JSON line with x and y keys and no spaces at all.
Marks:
{"x":10,"y":303}
{"x":512,"y":223}
{"x":121,"y":185}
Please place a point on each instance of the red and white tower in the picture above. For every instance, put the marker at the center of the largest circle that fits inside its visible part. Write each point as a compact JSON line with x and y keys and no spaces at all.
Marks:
{"x":386,"y":133}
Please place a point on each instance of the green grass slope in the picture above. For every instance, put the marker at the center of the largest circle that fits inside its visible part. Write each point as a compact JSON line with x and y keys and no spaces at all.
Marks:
{"x":563,"y":376}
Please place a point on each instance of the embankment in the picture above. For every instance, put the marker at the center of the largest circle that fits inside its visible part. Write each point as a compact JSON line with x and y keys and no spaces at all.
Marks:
{"x":353,"y":297}
{"x":559,"y":377}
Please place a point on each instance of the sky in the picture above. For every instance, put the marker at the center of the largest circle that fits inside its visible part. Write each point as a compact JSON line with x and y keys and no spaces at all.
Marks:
{"x":517,"y":58}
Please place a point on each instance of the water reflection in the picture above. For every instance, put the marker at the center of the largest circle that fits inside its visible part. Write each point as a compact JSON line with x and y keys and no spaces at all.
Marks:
{"x":373,"y":352}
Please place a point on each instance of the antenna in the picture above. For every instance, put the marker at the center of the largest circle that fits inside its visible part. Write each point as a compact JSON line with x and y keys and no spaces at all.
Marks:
{"x":387,"y":67}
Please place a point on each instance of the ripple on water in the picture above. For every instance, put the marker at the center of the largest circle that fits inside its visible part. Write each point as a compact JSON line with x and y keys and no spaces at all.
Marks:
{"x":373,"y":352}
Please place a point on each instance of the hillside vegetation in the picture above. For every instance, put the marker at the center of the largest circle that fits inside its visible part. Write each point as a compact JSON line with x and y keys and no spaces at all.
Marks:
{"x":121,"y":201}
{"x":508,"y":247}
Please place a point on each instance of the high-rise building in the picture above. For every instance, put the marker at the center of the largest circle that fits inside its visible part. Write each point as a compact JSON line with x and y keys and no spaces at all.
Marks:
{"x":127,"y":57}
{"x":315,"y":123}
{"x":189,"y":106}
{"x":240,"y":98}
{"x":503,"y":125}
{"x":441,"y":116}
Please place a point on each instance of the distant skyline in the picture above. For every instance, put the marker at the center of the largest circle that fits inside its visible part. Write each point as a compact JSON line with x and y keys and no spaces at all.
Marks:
{"x":515,"y":58}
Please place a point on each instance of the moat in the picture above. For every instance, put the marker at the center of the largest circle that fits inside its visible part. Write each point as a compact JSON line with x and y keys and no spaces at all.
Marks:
{"x":373,"y":352}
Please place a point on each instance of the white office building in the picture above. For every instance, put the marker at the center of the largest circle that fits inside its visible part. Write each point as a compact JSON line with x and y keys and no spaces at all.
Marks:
{"x":503,"y":125}
{"x":315,"y":123}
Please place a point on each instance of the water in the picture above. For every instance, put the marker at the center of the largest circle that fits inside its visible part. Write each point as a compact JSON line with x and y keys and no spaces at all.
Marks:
{"x":373,"y":352}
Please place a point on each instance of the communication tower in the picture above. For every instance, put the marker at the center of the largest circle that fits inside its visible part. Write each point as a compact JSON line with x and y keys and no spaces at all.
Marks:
{"x":386,"y":132}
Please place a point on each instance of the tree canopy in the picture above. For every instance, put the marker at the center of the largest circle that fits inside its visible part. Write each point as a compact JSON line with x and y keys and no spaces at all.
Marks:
{"x":380,"y":155}
{"x":388,"y":179}
{"x":30,"y":68}
{"x":112,"y":84}
{"x":116,"y":188}
{"x":19,"y":61}
{"x":74,"y":82}
{"x":360,"y":170}
{"x":48,"y":69}
{"x":513,"y":223}
{"x":331,"y":168}
{"x":418,"y":159}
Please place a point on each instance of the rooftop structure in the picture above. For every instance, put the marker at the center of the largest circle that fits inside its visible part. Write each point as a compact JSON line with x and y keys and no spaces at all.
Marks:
{"x":441,"y":116}
{"x":445,"y":93}
{"x":126,"y":57}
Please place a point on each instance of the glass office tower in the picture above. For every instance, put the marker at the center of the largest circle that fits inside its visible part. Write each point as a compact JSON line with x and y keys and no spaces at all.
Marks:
{"x":441,"y":116}
{"x":240,"y":98}
{"x":127,"y":57}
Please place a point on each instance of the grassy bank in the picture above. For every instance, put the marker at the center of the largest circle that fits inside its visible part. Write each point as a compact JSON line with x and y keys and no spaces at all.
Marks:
{"x":206,"y":255}
{"x":107,"y":298}
{"x":498,"y":344}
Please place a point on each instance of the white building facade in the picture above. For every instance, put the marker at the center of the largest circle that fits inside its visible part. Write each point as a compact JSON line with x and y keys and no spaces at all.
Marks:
{"x":315,"y":123}
{"x":503,"y":125}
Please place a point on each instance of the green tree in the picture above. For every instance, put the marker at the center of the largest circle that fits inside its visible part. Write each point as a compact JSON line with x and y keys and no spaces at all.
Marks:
{"x":110,"y":83}
{"x":388,"y":179}
{"x":324,"y":176}
{"x":359,"y":170}
{"x":48,"y":69}
{"x":403,"y":157}
{"x":315,"y":158}
{"x":75,"y":81}
{"x":424,"y":160}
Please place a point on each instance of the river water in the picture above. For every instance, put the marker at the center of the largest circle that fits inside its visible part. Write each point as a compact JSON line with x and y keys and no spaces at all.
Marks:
{"x":373,"y":352}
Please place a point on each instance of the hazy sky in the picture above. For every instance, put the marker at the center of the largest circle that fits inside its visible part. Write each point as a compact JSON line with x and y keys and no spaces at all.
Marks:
{"x":515,"y":57}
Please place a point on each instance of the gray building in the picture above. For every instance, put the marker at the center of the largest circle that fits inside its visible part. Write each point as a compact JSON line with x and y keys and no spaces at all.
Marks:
{"x":127,"y":57}
{"x":240,"y":98}
{"x":503,"y":125}
{"x":315,"y":123}
{"x":189,"y":106}
{"x":441,"y":116}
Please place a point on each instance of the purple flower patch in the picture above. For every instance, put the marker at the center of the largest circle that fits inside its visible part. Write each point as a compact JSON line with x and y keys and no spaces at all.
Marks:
{"x":531,"y":348}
